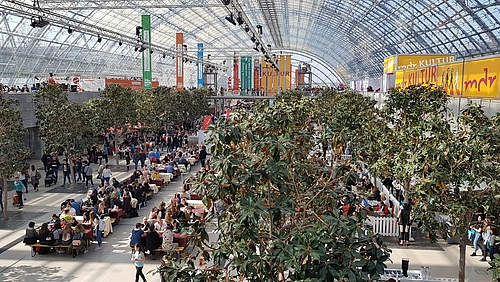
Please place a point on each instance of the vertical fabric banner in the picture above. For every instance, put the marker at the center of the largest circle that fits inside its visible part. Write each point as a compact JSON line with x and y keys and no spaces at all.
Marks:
{"x":256,"y":76}
{"x":243,"y":74}
{"x":179,"y":64}
{"x":249,"y":73}
{"x":200,"y":65}
{"x":236,"y":75}
{"x":147,"y":74}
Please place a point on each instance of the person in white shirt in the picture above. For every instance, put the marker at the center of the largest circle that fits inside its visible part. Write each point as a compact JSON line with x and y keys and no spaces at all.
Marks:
{"x":106,"y":173}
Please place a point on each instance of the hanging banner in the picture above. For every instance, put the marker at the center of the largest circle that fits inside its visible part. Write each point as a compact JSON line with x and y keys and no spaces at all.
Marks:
{"x":243,"y":74}
{"x":256,"y":77}
{"x":249,"y":74}
{"x":236,"y":75}
{"x":285,"y":76}
{"x":147,"y":74}
{"x":269,"y":78}
{"x":475,"y":78}
{"x":229,"y":84}
{"x":200,"y":65}
{"x":179,"y":65}
{"x":413,"y":61}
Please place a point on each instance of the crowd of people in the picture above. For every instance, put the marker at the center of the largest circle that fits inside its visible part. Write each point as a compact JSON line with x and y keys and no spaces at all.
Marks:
{"x":16,"y":88}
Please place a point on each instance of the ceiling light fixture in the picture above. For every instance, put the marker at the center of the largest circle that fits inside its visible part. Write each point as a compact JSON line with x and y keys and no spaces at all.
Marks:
{"x":259,"y":29}
{"x":70,"y":31}
{"x":239,"y":19}
{"x":247,"y":28}
{"x":120,"y":43}
{"x":99,"y":38}
{"x":231,"y":19}
{"x":227,"y":2}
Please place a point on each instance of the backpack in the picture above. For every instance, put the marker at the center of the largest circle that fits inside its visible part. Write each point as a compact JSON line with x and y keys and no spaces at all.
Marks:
{"x":38,"y":176}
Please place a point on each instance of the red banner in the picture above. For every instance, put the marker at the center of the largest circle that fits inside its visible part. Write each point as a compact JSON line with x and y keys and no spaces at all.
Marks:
{"x":179,"y":65}
{"x":236,"y":75}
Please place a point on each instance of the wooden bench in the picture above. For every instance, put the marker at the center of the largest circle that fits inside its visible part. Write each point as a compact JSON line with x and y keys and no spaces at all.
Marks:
{"x":33,"y":246}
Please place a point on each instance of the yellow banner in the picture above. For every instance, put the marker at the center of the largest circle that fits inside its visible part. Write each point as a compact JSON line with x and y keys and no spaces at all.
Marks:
{"x":421,"y":61}
{"x":390,"y":64}
{"x":476,"y":78}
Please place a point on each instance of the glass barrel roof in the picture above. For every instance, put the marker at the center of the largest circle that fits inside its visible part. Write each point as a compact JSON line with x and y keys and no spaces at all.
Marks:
{"x":351,"y":38}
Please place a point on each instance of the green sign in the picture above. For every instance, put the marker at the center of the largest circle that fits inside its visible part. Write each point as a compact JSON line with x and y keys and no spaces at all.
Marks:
{"x":147,"y":74}
{"x":246,"y":75}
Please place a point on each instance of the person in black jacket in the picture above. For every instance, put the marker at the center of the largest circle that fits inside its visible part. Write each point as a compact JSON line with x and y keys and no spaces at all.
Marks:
{"x":31,"y":237}
{"x":55,"y":164}
{"x":153,"y":241}
{"x":203,"y":155}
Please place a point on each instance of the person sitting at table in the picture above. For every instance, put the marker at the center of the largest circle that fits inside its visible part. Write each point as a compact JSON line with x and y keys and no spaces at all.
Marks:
{"x":183,"y":202}
{"x":382,"y":208}
{"x":177,"y":213}
{"x":160,"y":225}
{"x":101,"y":209}
{"x":146,"y":224}
{"x":73,"y":222}
{"x":55,"y":219}
{"x":184,"y":193}
{"x":115,"y":198}
{"x":57,"y":235}
{"x":76,"y":206}
{"x":153,"y":219}
{"x":153,"y":242}
{"x":78,"y":245}
{"x":162,"y":210}
{"x":65,"y":215}
{"x":86,"y":217}
{"x":72,"y":210}
{"x":155,"y":175}
{"x":67,"y":235}
{"x":154,"y":211}
{"x":168,"y":239}
{"x":188,"y":213}
{"x":31,"y":236}
{"x":170,"y":168}
{"x":44,"y":235}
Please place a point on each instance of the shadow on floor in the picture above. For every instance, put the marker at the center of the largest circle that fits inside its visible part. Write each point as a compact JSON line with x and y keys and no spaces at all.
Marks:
{"x":34,"y":273}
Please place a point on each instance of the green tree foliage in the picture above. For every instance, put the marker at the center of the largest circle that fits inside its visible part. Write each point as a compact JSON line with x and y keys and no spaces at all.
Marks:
{"x":63,"y":124}
{"x":13,"y":153}
{"x":182,"y":107}
{"x":417,"y":117}
{"x":116,"y":112}
{"x":460,"y":176}
{"x":281,"y":204}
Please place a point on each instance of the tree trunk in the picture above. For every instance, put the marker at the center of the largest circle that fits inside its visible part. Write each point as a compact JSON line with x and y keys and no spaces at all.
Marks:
{"x":5,"y":202}
{"x":407,"y":190}
{"x":117,"y":155}
{"x":461,"y":261}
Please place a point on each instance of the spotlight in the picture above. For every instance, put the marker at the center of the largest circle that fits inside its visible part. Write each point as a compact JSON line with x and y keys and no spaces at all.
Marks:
{"x":253,"y":38}
{"x":227,"y":2}
{"x":138,"y":30}
{"x":120,"y":43}
{"x":259,"y":29}
{"x":136,"y":48}
{"x":224,"y":62}
{"x":142,"y":47}
{"x":231,"y":19}
{"x":247,"y":28}
{"x":70,"y":31}
{"x":208,"y":56}
{"x":256,"y":48}
{"x":240,"y":19}
{"x":99,"y":38}
{"x":173,"y":57}
{"x":269,"y":46}
{"x":151,"y":51}
{"x":164,"y":56}
{"x":38,"y":22}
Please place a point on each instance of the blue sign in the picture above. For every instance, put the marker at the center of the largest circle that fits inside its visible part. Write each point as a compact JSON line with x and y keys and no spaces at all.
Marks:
{"x":200,"y":65}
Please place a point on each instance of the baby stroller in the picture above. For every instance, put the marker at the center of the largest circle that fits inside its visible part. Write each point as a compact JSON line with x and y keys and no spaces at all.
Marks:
{"x":49,"y":178}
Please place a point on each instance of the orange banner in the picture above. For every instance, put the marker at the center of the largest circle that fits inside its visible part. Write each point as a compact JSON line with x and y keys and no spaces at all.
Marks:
{"x":474,"y":78}
{"x":179,"y":65}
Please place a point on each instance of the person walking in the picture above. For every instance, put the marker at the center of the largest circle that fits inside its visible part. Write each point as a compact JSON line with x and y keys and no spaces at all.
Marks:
{"x":203,"y":155}
{"x":44,"y":161}
{"x":55,"y":164}
{"x":35,"y":177}
{"x":106,"y":173}
{"x":138,"y":259}
{"x":23,"y":177}
{"x":87,"y":172}
{"x":19,"y":187}
{"x":66,"y":172}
